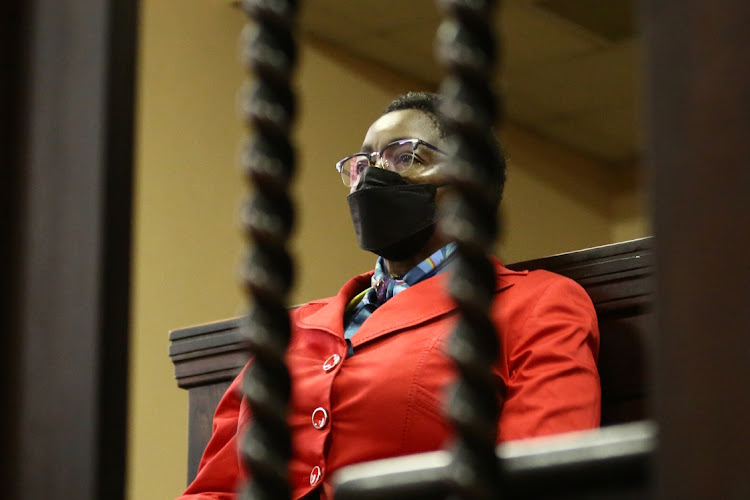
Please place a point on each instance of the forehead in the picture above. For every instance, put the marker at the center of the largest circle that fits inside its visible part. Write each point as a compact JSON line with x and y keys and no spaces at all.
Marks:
{"x":401,"y":124}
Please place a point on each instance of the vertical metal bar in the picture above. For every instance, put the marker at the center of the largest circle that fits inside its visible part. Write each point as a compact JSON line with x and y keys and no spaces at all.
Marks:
{"x":269,"y":52}
{"x":698,"y":85}
{"x":467,"y":52}
{"x":69,"y":247}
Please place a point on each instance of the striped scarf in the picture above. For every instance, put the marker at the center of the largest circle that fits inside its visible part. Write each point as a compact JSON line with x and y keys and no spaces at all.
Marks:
{"x":384,"y":286}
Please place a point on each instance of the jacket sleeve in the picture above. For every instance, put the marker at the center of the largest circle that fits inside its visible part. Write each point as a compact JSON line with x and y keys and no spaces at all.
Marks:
{"x":553,"y":381}
{"x":219,"y":469}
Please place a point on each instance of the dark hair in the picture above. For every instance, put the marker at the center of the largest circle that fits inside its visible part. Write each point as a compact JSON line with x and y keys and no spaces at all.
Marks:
{"x":429,"y":103}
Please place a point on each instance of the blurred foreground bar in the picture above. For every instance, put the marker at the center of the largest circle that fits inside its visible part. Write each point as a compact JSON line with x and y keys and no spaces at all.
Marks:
{"x":612,"y":462}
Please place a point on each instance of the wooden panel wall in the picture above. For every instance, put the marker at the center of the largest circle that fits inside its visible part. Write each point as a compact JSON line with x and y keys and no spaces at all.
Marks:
{"x":698,"y":132}
{"x":67,"y":157}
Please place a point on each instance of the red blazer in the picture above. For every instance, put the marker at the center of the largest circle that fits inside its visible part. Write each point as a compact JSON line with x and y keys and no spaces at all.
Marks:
{"x":386,"y":399}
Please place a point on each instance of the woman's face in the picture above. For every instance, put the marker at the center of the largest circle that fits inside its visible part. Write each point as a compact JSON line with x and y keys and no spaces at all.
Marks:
{"x":410,"y":124}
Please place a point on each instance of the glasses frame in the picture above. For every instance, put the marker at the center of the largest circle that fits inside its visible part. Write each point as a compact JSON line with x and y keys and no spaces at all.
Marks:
{"x":377,"y":156}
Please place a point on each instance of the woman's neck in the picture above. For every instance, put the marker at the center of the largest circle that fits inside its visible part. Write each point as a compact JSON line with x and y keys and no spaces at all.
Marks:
{"x":401,"y":267}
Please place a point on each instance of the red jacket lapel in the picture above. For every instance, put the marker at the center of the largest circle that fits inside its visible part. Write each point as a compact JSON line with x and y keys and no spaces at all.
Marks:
{"x":420,"y":303}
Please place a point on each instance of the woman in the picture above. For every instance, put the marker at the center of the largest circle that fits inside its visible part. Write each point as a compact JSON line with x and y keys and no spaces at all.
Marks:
{"x":368,"y":365}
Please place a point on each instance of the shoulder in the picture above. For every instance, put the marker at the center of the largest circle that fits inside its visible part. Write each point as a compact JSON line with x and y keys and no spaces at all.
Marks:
{"x":527,"y":294}
{"x":304,"y":310}
{"x":351,"y":288}
{"x":537,"y":283}
{"x":548,"y":283}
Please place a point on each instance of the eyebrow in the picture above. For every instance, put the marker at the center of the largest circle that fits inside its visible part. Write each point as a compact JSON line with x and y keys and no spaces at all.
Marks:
{"x":366,"y":148}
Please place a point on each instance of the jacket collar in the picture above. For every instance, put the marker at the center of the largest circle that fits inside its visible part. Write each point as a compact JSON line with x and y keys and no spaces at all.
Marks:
{"x":406,"y":309}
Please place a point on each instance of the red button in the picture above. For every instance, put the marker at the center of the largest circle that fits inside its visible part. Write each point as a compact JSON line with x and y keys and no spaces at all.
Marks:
{"x":319,"y":418}
{"x":331,"y":362}
{"x":315,"y":475}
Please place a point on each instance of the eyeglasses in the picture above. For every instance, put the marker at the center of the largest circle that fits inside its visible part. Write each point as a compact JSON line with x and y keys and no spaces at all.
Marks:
{"x":397,"y":157}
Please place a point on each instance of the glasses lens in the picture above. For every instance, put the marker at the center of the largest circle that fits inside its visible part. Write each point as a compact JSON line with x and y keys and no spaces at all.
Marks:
{"x":398,"y":156}
{"x":353,"y":168}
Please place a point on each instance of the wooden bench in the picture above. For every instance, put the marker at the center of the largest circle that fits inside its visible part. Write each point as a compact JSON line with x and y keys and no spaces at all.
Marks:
{"x":617,"y":277}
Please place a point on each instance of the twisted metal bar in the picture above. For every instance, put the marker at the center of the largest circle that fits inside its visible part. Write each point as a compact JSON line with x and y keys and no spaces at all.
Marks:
{"x":466,"y":50}
{"x":268,"y":108}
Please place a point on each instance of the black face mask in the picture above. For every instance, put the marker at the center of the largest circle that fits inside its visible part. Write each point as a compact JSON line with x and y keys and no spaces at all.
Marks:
{"x":392,"y":218}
